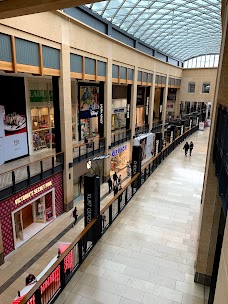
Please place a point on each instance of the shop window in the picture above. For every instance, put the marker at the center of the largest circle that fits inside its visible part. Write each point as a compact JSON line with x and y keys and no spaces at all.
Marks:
{"x":191,"y":87}
{"x":90,"y":66}
{"x":101,"y":68}
{"x":27,"y":52}
{"x":157,"y":79}
{"x":115,"y":71}
{"x":206,"y":88}
{"x":123,"y":73}
{"x":42,"y":115}
{"x":139,"y":76}
{"x":75,"y":63}
{"x":144,"y":77}
{"x":5,"y":50}
{"x":150,"y":78}
{"x":51,"y":57}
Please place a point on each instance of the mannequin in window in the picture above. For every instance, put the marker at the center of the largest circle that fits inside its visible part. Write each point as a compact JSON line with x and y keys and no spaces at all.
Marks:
{"x":40,"y":210}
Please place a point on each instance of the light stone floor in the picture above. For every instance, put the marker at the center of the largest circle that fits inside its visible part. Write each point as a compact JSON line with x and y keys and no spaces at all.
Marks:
{"x":148,"y":254}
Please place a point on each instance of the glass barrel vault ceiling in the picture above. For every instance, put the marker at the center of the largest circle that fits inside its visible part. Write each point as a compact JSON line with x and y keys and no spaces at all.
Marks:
{"x":180,"y":28}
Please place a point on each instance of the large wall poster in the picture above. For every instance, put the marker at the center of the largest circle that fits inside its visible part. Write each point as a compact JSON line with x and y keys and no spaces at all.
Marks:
{"x":89,"y":101}
{"x":146,"y":142}
{"x":13,"y":128}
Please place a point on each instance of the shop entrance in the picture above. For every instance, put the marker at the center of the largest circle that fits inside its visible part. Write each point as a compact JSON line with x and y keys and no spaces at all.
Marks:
{"x":33,"y":217}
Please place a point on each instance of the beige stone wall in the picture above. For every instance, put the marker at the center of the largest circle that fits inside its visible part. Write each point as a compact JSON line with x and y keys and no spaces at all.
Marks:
{"x":83,"y":39}
{"x":198,"y":76}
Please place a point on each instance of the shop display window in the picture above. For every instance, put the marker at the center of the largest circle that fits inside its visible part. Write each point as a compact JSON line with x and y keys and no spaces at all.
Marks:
{"x":42,"y":115}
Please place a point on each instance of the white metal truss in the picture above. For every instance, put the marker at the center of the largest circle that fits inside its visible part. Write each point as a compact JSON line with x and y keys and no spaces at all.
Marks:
{"x":182,"y":29}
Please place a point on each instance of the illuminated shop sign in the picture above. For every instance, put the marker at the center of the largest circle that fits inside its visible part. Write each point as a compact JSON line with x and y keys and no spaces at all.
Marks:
{"x":119,"y":150}
{"x":33,"y":192}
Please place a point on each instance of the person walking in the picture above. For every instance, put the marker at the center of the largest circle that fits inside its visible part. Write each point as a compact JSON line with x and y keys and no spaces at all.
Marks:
{"x":119,"y":180}
{"x":186,"y":148}
{"x":75,"y":216}
{"x":115,"y":177}
{"x":191,"y":146}
{"x":103,"y":217}
{"x":110,"y":184}
{"x":115,"y":189}
{"x":128,"y":169}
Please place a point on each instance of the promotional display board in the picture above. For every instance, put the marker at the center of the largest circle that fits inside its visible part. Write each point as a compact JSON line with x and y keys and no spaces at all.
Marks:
{"x":158,"y":142}
{"x":146,"y":142}
{"x":89,"y":101}
{"x":13,"y":128}
{"x":91,"y":197}
{"x":136,"y":165}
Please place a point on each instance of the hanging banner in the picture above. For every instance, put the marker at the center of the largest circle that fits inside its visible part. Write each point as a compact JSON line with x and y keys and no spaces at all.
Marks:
{"x":13,"y":123}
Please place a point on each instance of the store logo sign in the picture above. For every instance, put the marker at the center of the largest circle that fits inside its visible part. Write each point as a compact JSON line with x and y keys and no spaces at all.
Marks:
{"x":32,"y":193}
{"x":147,"y":106}
{"x":134,"y":167}
{"x":119,"y":150}
{"x":93,"y":113}
{"x":128,"y":111}
{"x":89,"y":206}
{"x":101,"y":114}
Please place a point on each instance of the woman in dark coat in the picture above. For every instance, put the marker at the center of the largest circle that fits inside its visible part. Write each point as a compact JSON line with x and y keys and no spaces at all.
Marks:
{"x":186,"y":148}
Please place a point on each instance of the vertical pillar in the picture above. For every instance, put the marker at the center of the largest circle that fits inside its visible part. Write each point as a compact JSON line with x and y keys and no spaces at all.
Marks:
{"x":133,"y":106}
{"x":164,"y":106}
{"x":151,"y":103}
{"x":108,"y":115}
{"x":66,"y":118}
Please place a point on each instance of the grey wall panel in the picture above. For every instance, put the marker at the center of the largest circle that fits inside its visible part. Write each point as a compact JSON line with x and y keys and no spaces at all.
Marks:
{"x":27,"y":52}
{"x":130,"y":74}
{"x":5,"y":49}
{"x":150,"y":78}
{"x":173,"y":61}
{"x":145,"y":49}
{"x":90,"y":66}
{"x":123,"y":73}
{"x":84,"y":17}
{"x":139,"y":76}
{"x":144,"y":77}
{"x":75,"y":63}
{"x":123,"y":38}
{"x":101,"y":68}
{"x":51,"y":58}
{"x":160,"y":56}
{"x":115,"y":71}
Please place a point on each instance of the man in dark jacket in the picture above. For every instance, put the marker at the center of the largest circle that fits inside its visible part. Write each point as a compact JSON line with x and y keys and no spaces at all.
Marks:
{"x":186,"y":147}
{"x":110,"y":184}
{"x":191,"y":146}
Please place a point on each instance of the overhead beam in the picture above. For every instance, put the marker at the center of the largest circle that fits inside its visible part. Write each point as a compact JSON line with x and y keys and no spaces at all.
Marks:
{"x":14,"y":8}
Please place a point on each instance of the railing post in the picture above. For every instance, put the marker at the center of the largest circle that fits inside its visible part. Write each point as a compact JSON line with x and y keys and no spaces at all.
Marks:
{"x":41,"y":169}
{"x":37,"y":295}
{"x":13,"y":181}
{"x":80,"y":251}
{"x":110,"y":215}
{"x":53,"y":164}
{"x":62,"y":275}
{"x":28,"y":175}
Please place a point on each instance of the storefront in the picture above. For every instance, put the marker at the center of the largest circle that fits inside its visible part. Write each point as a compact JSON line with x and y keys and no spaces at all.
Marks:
{"x":171,"y":103}
{"x":91,"y":109}
{"x":29,"y":211}
{"x":42,"y":113}
{"x":142,"y":105}
{"x":121,"y":100}
{"x":119,"y":158}
{"x":119,"y":109}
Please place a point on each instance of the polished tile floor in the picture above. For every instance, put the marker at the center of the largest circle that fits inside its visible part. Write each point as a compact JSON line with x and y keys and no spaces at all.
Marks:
{"x":148,"y":254}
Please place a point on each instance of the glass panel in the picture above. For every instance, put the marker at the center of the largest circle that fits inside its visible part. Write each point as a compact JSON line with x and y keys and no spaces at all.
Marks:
{"x":156,"y":22}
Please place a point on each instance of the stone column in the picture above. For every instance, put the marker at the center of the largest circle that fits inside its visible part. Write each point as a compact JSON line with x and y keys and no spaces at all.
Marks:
{"x":66,"y":118}
{"x":133,"y":107}
{"x":164,"y":104}
{"x":108,"y":116}
{"x":151,"y":103}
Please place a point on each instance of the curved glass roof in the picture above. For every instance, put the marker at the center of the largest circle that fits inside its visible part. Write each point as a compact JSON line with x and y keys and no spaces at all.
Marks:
{"x":179,"y":28}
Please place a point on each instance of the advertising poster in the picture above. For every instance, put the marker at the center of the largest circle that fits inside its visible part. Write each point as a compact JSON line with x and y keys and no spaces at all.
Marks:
{"x":13,"y":128}
{"x":146,"y":143}
{"x":89,"y":101}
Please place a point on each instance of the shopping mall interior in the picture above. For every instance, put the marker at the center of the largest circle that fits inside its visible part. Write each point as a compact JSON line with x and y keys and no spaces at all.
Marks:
{"x":95,"y":89}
